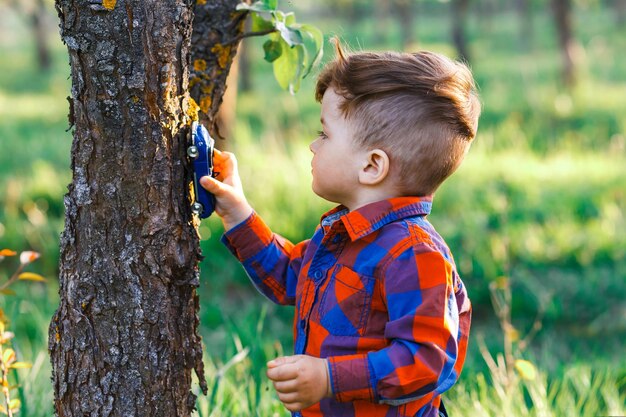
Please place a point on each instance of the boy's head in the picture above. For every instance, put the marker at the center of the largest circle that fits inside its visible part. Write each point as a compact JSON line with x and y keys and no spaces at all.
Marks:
{"x":421,"y":109}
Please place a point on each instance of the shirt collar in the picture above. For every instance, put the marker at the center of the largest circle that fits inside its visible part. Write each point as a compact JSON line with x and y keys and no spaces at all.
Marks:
{"x":371,"y":217}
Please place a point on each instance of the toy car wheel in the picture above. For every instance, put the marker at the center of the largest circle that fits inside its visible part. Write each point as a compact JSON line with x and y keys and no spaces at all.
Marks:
{"x":192,"y":152}
{"x":197,"y":208}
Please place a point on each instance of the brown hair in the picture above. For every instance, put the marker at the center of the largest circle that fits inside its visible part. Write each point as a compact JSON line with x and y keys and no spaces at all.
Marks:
{"x":421,"y":108}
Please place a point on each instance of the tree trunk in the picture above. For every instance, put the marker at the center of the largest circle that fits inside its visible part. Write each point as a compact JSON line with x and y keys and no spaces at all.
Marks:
{"x":403,"y":9}
{"x":39,"y":31}
{"x":124,"y":340}
{"x":381,"y":14}
{"x":459,"y":14}
{"x":525,"y":18}
{"x":216,"y":32}
{"x":620,"y":12}
{"x":486,"y":11}
{"x":562,"y":12}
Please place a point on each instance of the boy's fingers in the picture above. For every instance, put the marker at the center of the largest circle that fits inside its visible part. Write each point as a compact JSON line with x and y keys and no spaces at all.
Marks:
{"x":288,"y":398}
{"x":286,"y":386}
{"x":225,"y":159}
{"x":212,"y":185}
{"x":282,"y":360}
{"x":295,"y":406}
{"x":217,"y":154}
{"x":282,"y":373}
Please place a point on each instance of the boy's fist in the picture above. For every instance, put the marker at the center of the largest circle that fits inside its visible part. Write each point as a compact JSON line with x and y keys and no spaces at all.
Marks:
{"x":230,"y":202}
{"x":300,"y":380}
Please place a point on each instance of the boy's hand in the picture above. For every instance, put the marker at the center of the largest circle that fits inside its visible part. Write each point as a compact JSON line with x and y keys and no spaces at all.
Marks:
{"x":230,"y":202}
{"x":300,"y":380}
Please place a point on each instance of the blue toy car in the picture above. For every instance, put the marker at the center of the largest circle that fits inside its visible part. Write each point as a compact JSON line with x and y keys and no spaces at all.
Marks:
{"x":201,"y":153}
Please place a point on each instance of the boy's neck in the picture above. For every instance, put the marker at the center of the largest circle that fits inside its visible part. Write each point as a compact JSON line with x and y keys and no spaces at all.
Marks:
{"x":365,"y":196}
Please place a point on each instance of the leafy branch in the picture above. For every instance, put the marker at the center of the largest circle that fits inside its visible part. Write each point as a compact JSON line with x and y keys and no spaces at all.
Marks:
{"x":292,"y":48}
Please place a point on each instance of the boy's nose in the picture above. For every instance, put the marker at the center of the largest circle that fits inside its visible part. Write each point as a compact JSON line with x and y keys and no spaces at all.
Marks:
{"x":312,"y":146}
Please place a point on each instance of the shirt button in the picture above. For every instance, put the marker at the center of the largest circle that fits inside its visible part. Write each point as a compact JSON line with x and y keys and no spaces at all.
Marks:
{"x":317,"y":274}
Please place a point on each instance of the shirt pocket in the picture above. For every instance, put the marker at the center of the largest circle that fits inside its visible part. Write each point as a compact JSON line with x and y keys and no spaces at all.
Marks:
{"x":346,"y":302}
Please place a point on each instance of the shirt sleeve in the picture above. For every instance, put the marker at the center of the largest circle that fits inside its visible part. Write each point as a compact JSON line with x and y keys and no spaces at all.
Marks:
{"x":427,"y":342}
{"x":271,"y":261}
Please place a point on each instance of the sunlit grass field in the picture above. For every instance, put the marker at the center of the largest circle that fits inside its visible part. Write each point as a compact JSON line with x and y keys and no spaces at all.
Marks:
{"x":540,"y":200}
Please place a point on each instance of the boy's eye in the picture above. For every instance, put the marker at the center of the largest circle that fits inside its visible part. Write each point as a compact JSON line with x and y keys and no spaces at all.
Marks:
{"x":321,"y":134}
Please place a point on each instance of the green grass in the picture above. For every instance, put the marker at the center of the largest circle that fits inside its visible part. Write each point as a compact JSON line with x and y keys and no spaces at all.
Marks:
{"x":541,"y":199}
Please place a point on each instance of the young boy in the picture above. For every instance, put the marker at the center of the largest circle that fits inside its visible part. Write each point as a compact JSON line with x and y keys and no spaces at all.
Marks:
{"x":382,"y":317}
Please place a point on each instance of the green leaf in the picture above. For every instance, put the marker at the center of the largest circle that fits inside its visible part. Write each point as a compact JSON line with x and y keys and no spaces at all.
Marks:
{"x":259,"y":24}
{"x":272,"y":50}
{"x":290,"y":35}
{"x":286,"y":65}
{"x":257,"y":6}
{"x":290,"y":46}
{"x":272,"y":4}
{"x":302,"y":58}
{"x":278,"y":16}
{"x":290,"y":19}
{"x":318,"y":39}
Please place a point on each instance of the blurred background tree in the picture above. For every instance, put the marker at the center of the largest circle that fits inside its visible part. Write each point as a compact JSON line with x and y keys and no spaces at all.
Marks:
{"x":540,"y":199}
{"x":39,"y":14}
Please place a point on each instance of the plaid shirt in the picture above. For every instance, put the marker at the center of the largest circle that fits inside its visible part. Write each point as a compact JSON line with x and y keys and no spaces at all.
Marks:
{"x":376,"y":292}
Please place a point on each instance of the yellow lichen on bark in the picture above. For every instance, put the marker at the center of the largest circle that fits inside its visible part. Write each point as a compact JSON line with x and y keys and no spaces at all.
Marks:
{"x":205,"y":103}
{"x":109,"y":4}
{"x":201,"y":2}
{"x":192,"y":109}
{"x":199,"y":65}
{"x":222,"y":53}
{"x":194,"y":81}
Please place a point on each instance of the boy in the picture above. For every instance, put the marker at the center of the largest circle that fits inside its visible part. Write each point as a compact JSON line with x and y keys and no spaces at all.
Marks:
{"x":382,"y":317}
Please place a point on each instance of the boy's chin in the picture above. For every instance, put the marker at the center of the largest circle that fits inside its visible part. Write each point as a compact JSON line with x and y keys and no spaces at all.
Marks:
{"x":325,"y":196}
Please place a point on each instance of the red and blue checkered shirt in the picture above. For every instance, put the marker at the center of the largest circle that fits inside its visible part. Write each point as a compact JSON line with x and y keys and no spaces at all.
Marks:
{"x":376,"y":292}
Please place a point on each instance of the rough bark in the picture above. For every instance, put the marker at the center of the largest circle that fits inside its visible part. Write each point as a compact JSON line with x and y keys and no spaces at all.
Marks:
{"x":216,"y":34}
{"x":124,"y":339}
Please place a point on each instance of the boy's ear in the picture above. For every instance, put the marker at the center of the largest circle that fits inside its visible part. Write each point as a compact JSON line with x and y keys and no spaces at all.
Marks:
{"x":375,"y":167}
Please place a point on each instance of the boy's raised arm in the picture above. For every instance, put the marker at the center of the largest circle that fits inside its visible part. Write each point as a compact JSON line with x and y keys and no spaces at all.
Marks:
{"x":271,"y":261}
